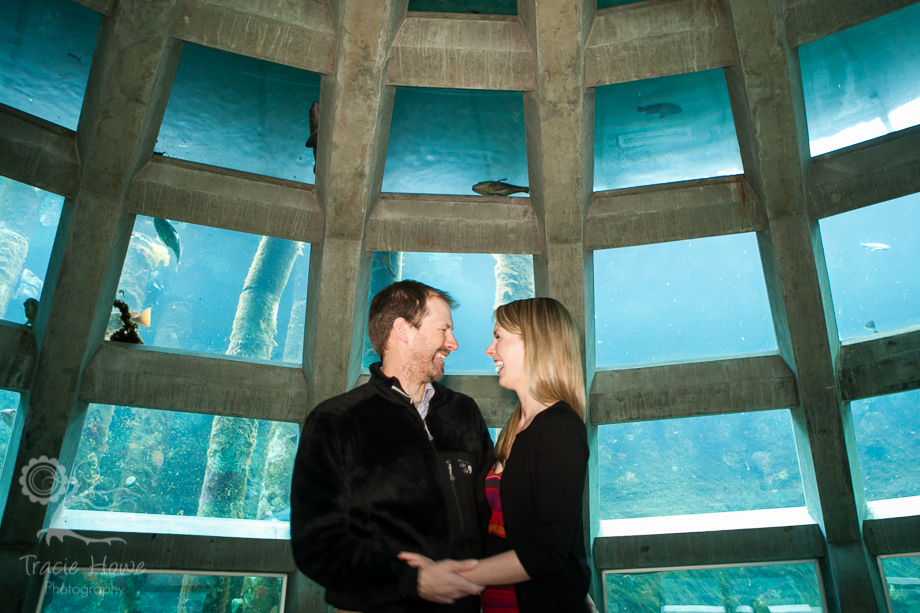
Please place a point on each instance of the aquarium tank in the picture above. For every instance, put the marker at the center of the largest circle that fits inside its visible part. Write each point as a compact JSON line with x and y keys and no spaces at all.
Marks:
{"x":199,"y":201}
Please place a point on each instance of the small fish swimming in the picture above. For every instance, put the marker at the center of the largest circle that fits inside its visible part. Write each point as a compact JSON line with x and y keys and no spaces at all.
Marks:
{"x":870,"y":325}
{"x":31,"y":308}
{"x":169,"y":236}
{"x":283,"y":515}
{"x":314,"y":131}
{"x":876,"y":246}
{"x":29,"y":285}
{"x":497,"y":188}
{"x":662,"y":109}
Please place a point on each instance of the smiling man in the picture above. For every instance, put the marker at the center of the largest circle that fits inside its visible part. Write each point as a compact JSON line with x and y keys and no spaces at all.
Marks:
{"x":397,"y":464}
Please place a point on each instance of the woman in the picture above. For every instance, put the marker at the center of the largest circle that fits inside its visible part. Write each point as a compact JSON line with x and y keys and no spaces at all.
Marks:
{"x":536,"y":543}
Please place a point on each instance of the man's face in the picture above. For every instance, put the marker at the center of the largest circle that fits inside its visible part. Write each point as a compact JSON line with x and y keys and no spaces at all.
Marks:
{"x":431,"y":343}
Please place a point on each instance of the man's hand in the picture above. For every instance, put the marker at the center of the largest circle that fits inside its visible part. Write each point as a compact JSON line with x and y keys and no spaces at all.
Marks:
{"x":439,"y":581}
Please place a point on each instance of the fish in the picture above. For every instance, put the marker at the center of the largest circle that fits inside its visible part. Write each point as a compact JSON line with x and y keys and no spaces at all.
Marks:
{"x":31,"y":308}
{"x":283,"y":515}
{"x":870,"y":325}
{"x":876,"y":246}
{"x":142,"y":318}
{"x":662,"y":109}
{"x":497,"y":188}
{"x":169,"y":236}
{"x":314,"y":131}
{"x":29,"y":285}
{"x":7,"y":416}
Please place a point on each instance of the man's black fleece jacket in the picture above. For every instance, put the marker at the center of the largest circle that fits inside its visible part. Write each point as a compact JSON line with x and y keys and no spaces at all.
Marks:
{"x":369,"y":483}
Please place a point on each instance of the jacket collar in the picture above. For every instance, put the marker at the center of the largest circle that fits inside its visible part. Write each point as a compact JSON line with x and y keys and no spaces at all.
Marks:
{"x":391,"y":388}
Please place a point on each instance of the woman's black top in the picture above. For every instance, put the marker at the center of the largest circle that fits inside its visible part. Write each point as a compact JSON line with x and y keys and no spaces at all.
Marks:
{"x":542,"y":488}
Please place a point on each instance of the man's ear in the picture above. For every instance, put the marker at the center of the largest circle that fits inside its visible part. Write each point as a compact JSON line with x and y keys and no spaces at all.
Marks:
{"x":401,"y":329}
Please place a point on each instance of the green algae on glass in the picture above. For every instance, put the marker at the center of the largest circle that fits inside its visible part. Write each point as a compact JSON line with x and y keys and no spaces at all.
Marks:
{"x":707,"y":464}
{"x":91,"y":589}
{"x":902,"y":575}
{"x":733,"y":589}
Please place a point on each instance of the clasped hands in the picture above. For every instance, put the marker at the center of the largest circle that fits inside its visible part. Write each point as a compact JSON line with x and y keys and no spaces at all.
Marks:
{"x":442,"y":581}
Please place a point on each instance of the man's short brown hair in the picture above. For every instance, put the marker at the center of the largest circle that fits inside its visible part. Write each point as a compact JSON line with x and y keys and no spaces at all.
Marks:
{"x":406,"y":299}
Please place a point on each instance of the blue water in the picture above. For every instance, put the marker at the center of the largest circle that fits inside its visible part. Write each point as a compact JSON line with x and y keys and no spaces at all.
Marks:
{"x":9,"y":401}
{"x":888,"y":444}
{"x":241,"y":113}
{"x":34,"y":213}
{"x":445,"y":141}
{"x":721,"y":589}
{"x":46,"y":49}
{"x":683,"y":300}
{"x":194,"y":301}
{"x":694,"y":139}
{"x":872,"y":257}
{"x":863,"y":82}
{"x":710,"y":464}
{"x":488,"y":7}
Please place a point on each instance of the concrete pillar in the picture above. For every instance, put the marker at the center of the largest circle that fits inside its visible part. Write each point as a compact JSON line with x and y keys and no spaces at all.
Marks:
{"x":559,"y":119}
{"x":765,"y":88}
{"x":134,"y":64}
{"x":355,"y":111}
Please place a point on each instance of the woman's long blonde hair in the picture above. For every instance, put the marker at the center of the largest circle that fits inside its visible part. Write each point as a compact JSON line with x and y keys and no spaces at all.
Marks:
{"x":552,"y":358}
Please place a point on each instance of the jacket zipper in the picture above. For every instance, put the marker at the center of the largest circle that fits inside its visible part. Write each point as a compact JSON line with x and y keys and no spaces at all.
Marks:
{"x":450,"y":468}
{"x":453,"y":489}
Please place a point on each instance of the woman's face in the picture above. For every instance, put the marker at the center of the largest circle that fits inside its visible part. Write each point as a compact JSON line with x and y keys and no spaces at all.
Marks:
{"x":507,"y":349}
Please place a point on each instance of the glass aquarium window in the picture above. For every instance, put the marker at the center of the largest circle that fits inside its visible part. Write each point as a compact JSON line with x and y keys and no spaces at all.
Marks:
{"x":488,"y":7}
{"x":204,"y":289}
{"x":46,"y":48}
{"x":662,"y":130}
{"x":888,"y":444}
{"x":28,"y":223}
{"x":788,"y":588}
{"x":9,"y":405}
{"x":871,"y":255}
{"x":78,"y":590}
{"x":479,"y":282}
{"x":240,"y":113}
{"x":445,"y":141}
{"x":149,"y":461}
{"x":708,"y":464}
{"x":863,"y":82}
{"x":902,"y":574}
{"x":680,"y":301}
{"x":606,"y":4}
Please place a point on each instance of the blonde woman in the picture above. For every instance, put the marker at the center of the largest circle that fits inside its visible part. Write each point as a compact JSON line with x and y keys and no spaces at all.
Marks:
{"x":536,"y":546}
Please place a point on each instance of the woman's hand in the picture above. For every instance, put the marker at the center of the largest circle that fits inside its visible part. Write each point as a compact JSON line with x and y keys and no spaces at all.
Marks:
{"x":439,"y":581}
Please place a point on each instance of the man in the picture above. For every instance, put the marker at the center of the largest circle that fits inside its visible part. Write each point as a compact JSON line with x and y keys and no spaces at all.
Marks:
{"x":397,"y":464}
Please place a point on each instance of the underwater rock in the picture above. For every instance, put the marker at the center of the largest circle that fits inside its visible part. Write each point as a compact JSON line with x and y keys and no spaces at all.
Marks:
{"x":128,"y":332}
